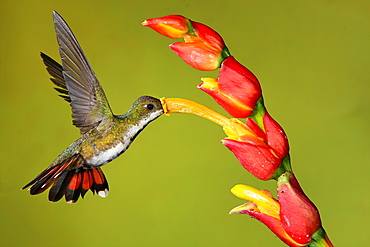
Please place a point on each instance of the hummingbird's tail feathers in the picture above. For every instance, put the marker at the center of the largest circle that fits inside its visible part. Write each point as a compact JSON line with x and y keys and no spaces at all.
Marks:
{"x":48,"y":177}
{"x":76,"y":183}
{"x":56,"y":71}
{"x":68,"y":181}
{"x":100,"y":185}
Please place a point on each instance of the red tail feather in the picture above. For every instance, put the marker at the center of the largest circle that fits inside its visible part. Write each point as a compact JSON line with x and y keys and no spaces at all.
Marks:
{"x":70,"y":179}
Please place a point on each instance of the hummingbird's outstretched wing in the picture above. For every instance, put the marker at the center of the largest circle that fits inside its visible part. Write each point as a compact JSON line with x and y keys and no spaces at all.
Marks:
{"x":78,"y":83}
{"x":56,"y":71}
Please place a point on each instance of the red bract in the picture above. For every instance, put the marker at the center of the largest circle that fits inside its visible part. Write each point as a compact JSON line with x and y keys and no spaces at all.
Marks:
{"x":203,"y":46}
{"x":197,"y":53}
{"x":293,"y":218}
{"x":274,"y":225}
{"x":264,"y":208}
{"x":236,"y":89}
{"x":172,"y":26}
{"x":208,"y":35}
{"x":299,"y":216}
{"x":261,"y":161}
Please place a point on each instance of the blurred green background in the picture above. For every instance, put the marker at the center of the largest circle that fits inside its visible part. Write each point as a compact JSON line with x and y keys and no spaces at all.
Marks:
{"x":171,"y":188}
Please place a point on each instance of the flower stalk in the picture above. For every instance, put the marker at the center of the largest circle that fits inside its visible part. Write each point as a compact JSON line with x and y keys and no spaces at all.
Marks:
{"x":260,"y":143}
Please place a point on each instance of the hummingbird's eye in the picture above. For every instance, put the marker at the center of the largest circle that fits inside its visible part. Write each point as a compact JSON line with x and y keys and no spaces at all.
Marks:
{"x":150,"y":106}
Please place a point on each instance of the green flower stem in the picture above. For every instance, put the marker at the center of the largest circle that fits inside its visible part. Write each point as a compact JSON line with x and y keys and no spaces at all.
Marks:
{"x":284,"y":166}
{"x":320,"y":239}
{"x":224,"y":54}
{"x":258,"y":112}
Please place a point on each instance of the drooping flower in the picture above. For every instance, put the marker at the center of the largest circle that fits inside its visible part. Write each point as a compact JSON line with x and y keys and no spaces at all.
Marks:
{"x":264,"y":207}
{"x":293,"y":218}
{"x":203,"y":49}
{"x":261,"y":161}
{"x":237,"y":89}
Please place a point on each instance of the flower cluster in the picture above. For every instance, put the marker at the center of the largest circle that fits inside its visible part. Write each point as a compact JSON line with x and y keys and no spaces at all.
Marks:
{"x":260,"y":144}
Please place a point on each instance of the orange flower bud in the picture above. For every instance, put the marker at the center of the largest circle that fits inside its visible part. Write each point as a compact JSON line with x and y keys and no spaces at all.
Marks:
{"x":172,"y":26}
{"x":204,"y":49}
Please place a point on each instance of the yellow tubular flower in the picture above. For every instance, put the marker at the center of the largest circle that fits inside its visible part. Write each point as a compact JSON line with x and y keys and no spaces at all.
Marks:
{"x":234,"y":128}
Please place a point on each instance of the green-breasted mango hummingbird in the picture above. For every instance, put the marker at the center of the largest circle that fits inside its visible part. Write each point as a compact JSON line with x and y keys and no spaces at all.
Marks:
{"x":104,"y":136}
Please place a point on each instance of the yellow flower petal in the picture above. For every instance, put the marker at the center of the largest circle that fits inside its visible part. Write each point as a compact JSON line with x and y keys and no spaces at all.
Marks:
{"x":238,"y":131}
{"x":210,"y":83}
{"x":265,"y":204}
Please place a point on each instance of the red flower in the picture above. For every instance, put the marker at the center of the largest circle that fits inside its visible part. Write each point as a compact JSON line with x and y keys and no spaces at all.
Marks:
{"x":261,"y":161}
{"x":264,"y":207}
{"x":203,"y":48}
{"x":172,"y":26}
{"x":299,"y":216}
{"x":236,"y":89}
{"x":293,"y":218}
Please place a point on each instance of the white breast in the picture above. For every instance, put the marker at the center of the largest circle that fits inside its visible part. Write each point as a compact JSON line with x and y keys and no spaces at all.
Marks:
{"x":105,"y":156}
{"x":110,"y":154}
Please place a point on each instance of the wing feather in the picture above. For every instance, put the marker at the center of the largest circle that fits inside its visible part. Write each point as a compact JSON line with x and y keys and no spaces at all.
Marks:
{"x":88,"y":101}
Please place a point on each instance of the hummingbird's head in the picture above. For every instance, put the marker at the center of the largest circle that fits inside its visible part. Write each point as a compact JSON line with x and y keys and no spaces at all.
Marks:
{"x":145,"y":109}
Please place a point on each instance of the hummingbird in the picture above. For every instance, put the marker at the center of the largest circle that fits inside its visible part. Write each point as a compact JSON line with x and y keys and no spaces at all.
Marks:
{"x":104,"y":136}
